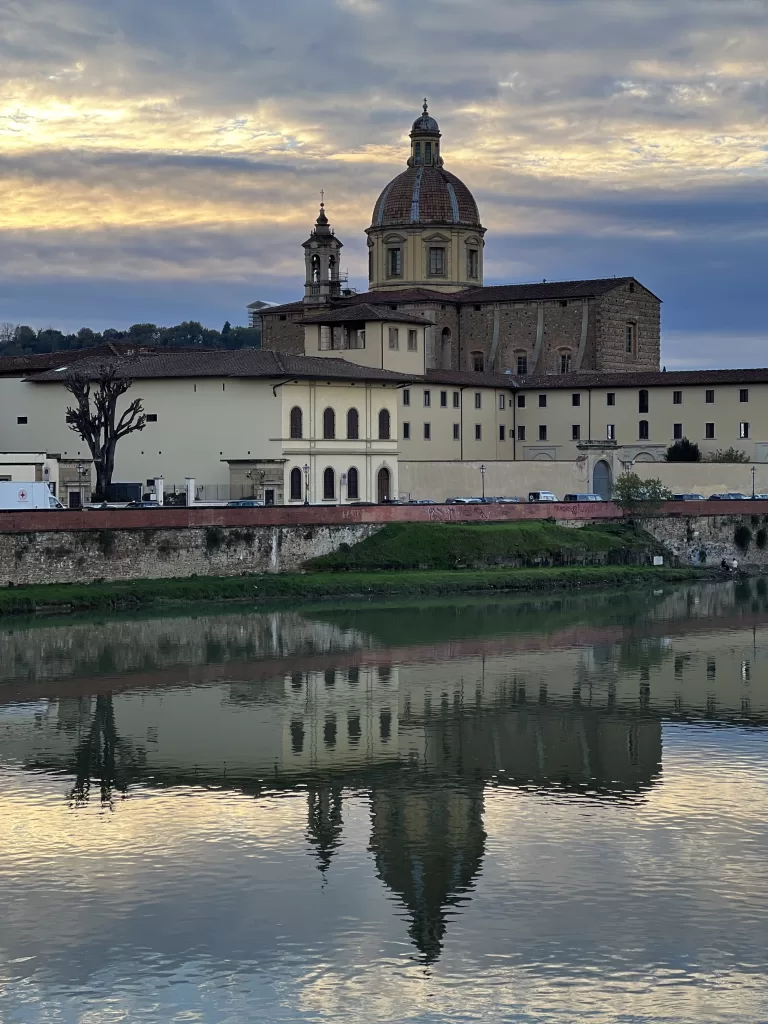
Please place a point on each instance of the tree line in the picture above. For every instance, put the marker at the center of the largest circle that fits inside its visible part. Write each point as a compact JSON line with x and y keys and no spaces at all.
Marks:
{"x":21,"y":340}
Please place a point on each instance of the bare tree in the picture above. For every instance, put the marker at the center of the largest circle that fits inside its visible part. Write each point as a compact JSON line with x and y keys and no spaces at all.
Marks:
{"x":95,"y":416}
{"x":7,"y":332}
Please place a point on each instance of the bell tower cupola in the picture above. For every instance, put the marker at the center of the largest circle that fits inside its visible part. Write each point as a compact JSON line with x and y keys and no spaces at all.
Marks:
{"x":321,"y":259}
{"x":425,"y":141}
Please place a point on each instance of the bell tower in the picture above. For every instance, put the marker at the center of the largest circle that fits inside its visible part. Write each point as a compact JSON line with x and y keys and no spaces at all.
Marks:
{"x":321,"y":259}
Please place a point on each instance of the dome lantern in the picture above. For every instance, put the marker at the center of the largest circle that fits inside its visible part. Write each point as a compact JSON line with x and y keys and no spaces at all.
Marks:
{"x":425,"y":141}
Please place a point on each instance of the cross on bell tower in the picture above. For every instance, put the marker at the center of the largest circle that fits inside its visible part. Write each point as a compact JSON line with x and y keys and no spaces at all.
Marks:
{"x":321,"y":259}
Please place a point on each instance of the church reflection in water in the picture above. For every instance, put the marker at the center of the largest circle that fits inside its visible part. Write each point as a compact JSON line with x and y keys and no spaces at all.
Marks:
{"x":421,"y":729}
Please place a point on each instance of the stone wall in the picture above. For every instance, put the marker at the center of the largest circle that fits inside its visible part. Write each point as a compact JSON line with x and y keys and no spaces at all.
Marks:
{"x":286,"y":336}
{"x":614,"y":311}
{"x":84,"y":556}
{"x":705,"y":540}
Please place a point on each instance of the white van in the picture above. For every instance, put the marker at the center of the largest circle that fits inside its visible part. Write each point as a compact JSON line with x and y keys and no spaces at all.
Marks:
{"x":542,"y":496}
{"x":16,"y":495}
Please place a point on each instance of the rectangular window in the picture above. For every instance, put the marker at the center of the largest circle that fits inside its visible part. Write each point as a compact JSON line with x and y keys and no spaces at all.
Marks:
{"x":427,"y":431}
{"x":478,"y":432}
{"x":522,"y":366}
{"x":521,"y":401}
{"x":478,"y":363}
{"x":325,"y":339}
{"x":677,"y":398}
{"x":406,"y":431}
{"x":456,"y":399}
{"x":542,"y":432}
{"x":521,"y":433}
{"x":436,"y":261}
{"x":407,"y":396}
{"x":744,"y":395}
{"x":394,"y":338}
{"x":357,"y":338}
{"x":427,"y":152}
{"x":456,"y":432}
{"x":629,"y":339}
{"x":413,"y":341}
{"x":677,"y":431}
{"x":565,"y":362}
{"x":443,"y":399}
{"x":472,"y":263}
{"x":709,"y":397}
{"x":575,"y":400}
{"x":610,"y":432}
{"x":542,"y":401}
{"x":743,"y":430}
{"x":23,"y":419}
{"x":502,"y":433}
{"x":610,"y":398}
{"x":575,"y":432}
{"x":427,"y":399}
{"x":151,"y":417}
{"x":642,"y":401}
{"x":502,"y":403}
{"x":709,"y":431}
{"x":394,"y":263}
{"x":478,"y":400}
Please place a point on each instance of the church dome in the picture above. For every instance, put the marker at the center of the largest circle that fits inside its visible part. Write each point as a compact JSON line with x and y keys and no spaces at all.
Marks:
{"x":425,"y":194}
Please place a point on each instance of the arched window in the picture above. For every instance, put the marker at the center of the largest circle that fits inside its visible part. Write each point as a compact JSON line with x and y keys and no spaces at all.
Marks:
{"x":296,"y":484}
{"x":353,"y":425}
{"x":643,"y":431}
{"x":565,"y":361}
{"x":297,"y":423}
{"x":384,"y":425}
{"x":630,"y":338}
{"x":642,"y":401}
{"x":329,"y":485}
{"x":329,"y":424}
{"x":353,"y":485}
{"x":478,"y":363}
{"x":315,"y":268}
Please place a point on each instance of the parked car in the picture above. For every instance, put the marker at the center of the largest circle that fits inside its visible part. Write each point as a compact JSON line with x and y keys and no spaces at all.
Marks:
{"x":463,"y":501}
{"x":582,"y":497}
{"x":358,"y":504}
{"x":728,"y":496}
{"x":504,"y":501}
{"x":542,"y":496}
{"x":421,"y":501}
{"x":688,"y":497}
{"x":761,"y":497}
{"x":245,"y":503}
{"x":143,"y":504}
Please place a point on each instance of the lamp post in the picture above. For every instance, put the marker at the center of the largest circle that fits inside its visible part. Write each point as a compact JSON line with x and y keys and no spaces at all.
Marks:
{"x":753,"y":481}
{"x":482,"y":477}
{"x":306,"y":484}
{"x":81,"y":470}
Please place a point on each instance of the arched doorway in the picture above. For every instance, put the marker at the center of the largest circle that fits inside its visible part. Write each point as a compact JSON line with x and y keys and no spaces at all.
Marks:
{"x":602,"y":479}
{"x":383,"y":484}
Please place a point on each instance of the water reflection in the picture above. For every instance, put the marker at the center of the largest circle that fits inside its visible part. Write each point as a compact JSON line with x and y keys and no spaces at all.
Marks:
{"x":407,"y":737}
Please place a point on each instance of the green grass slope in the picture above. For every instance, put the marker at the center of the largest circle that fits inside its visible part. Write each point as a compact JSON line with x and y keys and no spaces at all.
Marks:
{"x":453,"y":546}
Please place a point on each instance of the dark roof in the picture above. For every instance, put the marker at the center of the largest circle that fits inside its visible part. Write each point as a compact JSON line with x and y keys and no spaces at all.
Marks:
{"x":21,"y":365}
{"x":243,"y":363}
{"x":477,"y":296}
{"x":543,"y":290}
{"x":471,"y":378}
{"x":425,"y":194}
{"x":643,"y":379}
{"x":364,"y":312}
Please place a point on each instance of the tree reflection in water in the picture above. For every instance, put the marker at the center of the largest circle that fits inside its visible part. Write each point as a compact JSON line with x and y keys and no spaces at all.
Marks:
{"x":102,"y":757}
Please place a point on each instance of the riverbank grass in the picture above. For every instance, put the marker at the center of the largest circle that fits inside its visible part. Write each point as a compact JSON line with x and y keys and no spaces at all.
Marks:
{"x":295,"y":588}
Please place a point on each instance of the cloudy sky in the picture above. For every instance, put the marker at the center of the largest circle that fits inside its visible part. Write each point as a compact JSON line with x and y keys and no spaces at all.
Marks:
{"x":162,"y":161}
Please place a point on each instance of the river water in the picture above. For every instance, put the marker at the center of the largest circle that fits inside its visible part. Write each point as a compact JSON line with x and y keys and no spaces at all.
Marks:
{"x":528,"y":810}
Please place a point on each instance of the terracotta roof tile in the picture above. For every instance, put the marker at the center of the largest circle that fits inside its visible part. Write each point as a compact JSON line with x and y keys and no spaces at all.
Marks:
{"x":365,"y":312}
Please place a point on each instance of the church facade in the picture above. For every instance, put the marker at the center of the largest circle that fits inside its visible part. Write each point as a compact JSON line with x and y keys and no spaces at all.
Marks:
{"x":425,"y":257}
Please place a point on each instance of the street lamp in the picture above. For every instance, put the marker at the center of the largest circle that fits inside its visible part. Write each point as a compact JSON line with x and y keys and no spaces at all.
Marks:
{"x":306,"y":484}
{"x":753,"y":481}
{"x":482,"y":477}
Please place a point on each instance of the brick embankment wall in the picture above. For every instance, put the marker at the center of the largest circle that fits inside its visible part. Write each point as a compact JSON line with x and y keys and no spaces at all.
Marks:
{"x":83,"y":556}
